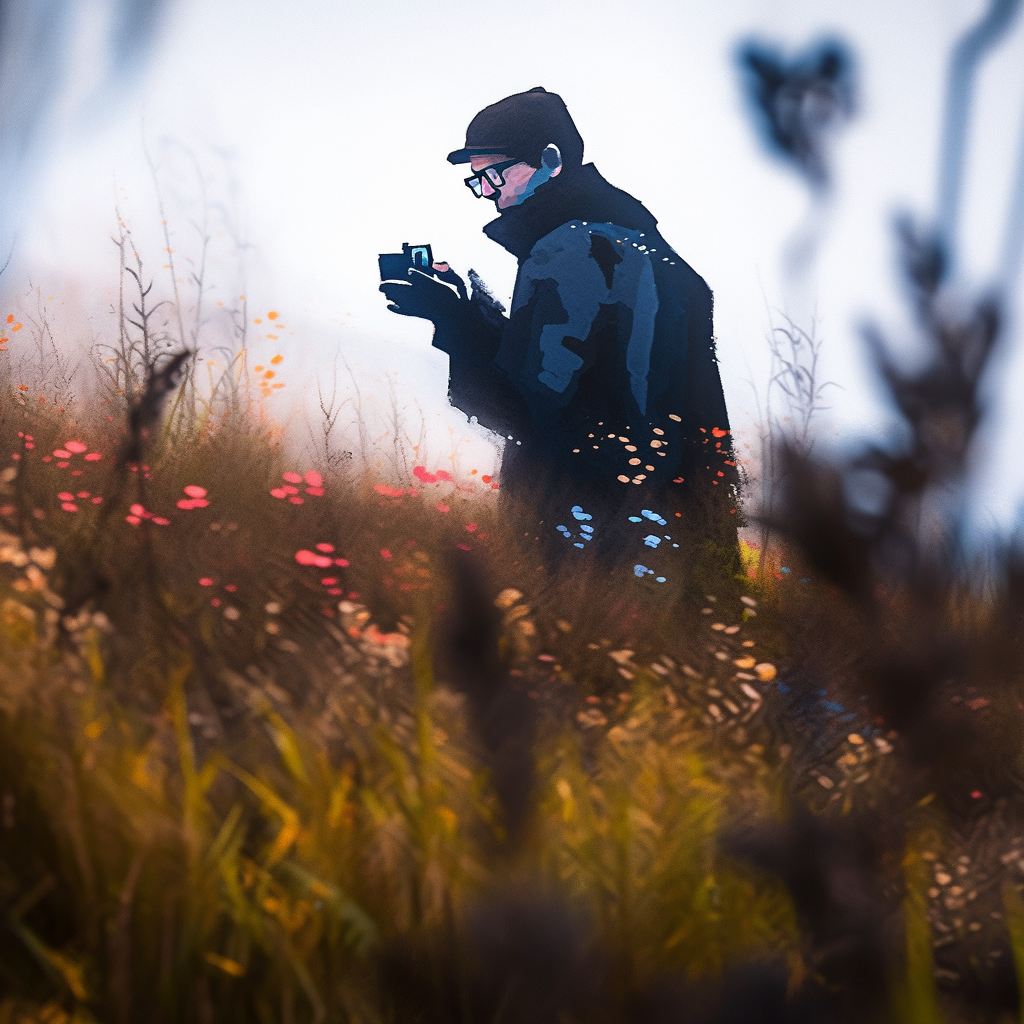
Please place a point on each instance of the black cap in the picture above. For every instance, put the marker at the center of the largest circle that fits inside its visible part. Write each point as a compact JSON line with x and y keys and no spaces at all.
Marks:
{"x":521,"y":126}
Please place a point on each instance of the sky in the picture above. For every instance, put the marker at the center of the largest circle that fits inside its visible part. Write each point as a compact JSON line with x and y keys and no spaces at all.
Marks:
{"x":323,"y":128}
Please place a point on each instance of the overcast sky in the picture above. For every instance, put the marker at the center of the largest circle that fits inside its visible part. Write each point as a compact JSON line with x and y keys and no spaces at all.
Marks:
{"x":336,"y":119}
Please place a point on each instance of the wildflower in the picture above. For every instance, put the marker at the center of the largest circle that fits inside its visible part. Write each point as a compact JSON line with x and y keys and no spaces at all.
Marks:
{"x":314,"y":479}
{"x":93,"y":457}
{"x":196,"y":497}
{"x":65,"y":496}
{"x":76,"y":447}
{"x":60,"y":453}
{"x":69,"y":506}
{"x":134,"y":520}
{"x":292,"y":478}
{"x":329,"y":581}
{"x":160,"y":521}
{"x":205,"y":581}
{"x":441,"y":507}
{"x":325,"y":548}
{"x":279,"y":492}
{"x":304,"y":557}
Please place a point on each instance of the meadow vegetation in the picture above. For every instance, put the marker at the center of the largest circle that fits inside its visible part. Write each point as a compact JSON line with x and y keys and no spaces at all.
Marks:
{"x":287,"y":735}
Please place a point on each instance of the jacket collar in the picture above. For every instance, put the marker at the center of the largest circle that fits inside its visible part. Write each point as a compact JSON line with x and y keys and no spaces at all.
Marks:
{"x":577,"y":194}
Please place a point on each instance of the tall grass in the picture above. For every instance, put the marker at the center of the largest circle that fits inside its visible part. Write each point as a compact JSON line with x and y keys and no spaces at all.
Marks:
{"x":286,"y":738}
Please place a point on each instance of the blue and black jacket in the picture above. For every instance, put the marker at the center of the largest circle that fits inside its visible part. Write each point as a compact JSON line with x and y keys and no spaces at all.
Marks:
{"x":603,"y":375}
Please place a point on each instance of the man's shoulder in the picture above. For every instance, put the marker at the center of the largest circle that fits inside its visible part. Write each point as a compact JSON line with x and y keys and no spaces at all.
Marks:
{"x":581,"y":239}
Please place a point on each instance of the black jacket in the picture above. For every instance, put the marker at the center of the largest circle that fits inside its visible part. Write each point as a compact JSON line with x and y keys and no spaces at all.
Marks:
{"x":604,"y":373}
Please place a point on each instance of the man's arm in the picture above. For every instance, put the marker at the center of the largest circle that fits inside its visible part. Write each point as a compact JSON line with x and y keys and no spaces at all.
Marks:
{"x":469,"y":331}
{"x":470,"y":334}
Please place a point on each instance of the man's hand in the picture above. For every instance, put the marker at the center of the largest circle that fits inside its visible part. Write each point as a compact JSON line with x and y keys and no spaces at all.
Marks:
{"x":426,"y":295}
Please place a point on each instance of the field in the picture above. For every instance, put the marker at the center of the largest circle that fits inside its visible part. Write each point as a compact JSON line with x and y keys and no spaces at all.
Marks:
{"x":289,"y":736}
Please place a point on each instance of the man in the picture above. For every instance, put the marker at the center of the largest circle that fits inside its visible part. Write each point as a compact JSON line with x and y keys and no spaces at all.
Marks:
{"x":603,"y":376}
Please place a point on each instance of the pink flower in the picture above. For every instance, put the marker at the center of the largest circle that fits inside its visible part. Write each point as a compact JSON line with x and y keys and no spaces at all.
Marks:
{"x":97,"y":500}
{"x":384,"y":553}
{"x":69,"y":507}
{"x":317,"y":492}
{"x":134,"y":520}
{"x":325,"y":548}
{"x":160,"y":521}
{"x":463,"y":547}
{"x":292,"y":478}
{"x":441,"y":507}
{"x":60,"y":465}
{"x":93,"y":457}
{"x":82,"y":494}
{"x":195,"y":492}
{"x":65,"y":496}
{"x":29,"y":444}
{"x":471,"y":527}
{"x":231,"y":588}
{"x":343,"y":562}
{"x":76,"y":472}
{"x":314,"y":479}
{"x":443,"y":474}
{"x":76,"y":446}
{"x":279,"y":492}
{"x":138,"y":510}
{"x":288,"y":489}
{"x":215,"y":602}
{"x":420,"y":472}
{"x":205,"y":581}
{"x":335,"y":591}
{"x":296,"y":501}
{"x":322,"y":561}
{"x":61,"y":454}
{"x":304,"y":557}
{"x":329,"y":581}
{"x":188,"y":503}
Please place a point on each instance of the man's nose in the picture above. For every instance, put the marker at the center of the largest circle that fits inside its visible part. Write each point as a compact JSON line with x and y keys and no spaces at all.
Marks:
{"x":487,"y":189}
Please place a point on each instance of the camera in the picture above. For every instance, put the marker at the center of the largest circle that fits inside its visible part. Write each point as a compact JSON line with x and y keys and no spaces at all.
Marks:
{"x":395,"y":266}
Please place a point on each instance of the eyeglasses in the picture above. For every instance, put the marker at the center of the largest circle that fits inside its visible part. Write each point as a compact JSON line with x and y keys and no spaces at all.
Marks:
{"x":492,"y":174}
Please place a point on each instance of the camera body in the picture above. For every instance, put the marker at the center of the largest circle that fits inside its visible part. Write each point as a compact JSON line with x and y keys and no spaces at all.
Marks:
{"x":395,"y":266}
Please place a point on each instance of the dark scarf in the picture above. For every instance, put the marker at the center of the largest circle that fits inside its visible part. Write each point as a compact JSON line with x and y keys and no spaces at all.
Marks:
{"x":578,"y":193}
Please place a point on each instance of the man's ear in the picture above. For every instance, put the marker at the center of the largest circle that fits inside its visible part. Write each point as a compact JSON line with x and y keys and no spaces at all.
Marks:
{"x":551,"y":159}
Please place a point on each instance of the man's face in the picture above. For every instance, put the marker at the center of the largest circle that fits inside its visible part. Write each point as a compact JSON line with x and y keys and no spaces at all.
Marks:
{"x":517,"y":180}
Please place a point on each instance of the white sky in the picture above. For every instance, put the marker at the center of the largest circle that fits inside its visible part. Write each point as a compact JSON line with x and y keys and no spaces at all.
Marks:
{"x":338,"y":117}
